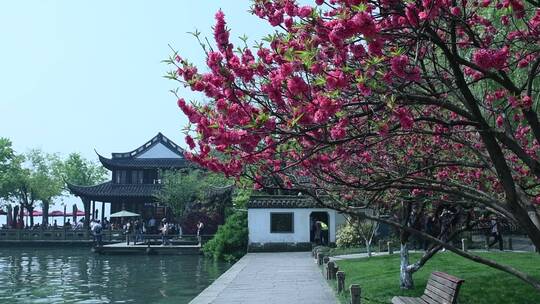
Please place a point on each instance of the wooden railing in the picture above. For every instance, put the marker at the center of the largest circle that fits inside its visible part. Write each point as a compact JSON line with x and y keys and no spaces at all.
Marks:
{"x":82,"y":235}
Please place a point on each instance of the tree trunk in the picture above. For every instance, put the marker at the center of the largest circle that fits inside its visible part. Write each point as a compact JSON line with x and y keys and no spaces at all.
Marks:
{"x":9,"y":219}
{"x":368,"y":248}
{"x":45,"y":216}
{"x":15,"y":216}
{"x":21,"y":217}
{"x":74,"y":208}
{"x":30,"y":213}
{"x":405,"y":276}
{"x":87,"y":207}
{"x":534,"y":217}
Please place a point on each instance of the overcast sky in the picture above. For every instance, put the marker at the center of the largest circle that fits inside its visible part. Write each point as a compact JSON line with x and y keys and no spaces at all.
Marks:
{"x":82,"y":75}
{"x":85,"y":75}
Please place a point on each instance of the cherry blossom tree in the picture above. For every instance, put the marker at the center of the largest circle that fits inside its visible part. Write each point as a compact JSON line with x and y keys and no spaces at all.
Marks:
{"x":373,"y":102}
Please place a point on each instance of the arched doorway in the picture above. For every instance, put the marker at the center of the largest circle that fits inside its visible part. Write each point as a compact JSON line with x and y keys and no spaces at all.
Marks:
{"x":319,"y":235}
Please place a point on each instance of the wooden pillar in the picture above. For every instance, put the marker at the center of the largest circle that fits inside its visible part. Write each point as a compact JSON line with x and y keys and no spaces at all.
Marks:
{"x":464,"y":244}
{"x":102,"y":211}
{"x":355,"y":293}
{"x":326,"y":260}
{"x":340,"y":281}
{"x":331,"y":270}
{"x":320,"y":257}
{"x":87,"y":206}
{"x":93,"y":209}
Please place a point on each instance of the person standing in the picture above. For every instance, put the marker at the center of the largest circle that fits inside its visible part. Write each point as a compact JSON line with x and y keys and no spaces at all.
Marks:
{"x":179,"y":229}
{"x":128,"y":231}
{"x":164,"y":233}
{"x":318,"y":233}
{"x":200,"y":227}
{"x":152,"y":225}
{"x":96,"y":231}
{"x":138,"y":232}
{"x":324,"y":234}
{"x":496,"y":233}
{"x":446,"y":219}
{"x":429,"y":228}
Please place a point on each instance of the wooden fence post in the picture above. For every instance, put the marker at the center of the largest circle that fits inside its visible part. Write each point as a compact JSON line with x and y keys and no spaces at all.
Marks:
{"x":510,"y":245}
{"x":381,"y":245}
{"x":331,"y":270}
{"x":320,"y":257}
{"x":487,"y":242}
{"x":390,"y":249}
{"x":464,"y":244}
{"x":355,"y":293}
{"x":340,"y":281}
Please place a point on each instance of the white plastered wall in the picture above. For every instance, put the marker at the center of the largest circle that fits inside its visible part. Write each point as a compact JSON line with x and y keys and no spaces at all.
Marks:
{"x":259,"y":225}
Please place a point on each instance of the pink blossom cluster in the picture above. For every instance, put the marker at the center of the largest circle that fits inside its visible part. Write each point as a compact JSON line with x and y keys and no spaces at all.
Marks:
{"x":332,"y":96}
{"x":491,"y":59}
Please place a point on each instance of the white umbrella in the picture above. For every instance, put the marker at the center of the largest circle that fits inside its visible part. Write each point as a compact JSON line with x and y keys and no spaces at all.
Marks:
{"x":124,"y":213}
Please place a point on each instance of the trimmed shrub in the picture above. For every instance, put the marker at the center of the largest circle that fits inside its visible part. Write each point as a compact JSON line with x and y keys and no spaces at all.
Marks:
{"x":348,"y":236}
{"x":230,"y":241}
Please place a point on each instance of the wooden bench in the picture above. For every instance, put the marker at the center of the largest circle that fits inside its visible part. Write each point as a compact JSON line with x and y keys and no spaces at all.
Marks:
{"x":441,"y":288}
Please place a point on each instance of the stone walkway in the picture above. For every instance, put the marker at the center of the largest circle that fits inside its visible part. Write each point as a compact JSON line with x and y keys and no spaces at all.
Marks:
{"x":280,"y":278}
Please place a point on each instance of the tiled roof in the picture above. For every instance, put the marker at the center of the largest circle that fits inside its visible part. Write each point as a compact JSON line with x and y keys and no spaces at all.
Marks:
{"x":282,"y":201}
{"x":145,"y":163}
{"x":109,"y":191}
{"x":159,"y":138}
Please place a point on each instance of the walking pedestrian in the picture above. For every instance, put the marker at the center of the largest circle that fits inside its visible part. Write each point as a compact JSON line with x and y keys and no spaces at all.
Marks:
{"x":128,"y":230}
{"x":496,"y":233}
{"x":97,"y":233}
{"x":152,"y":225}
{"x":138,"y":233}
{"x":318,"y":233}
{"x":200,"y":227}
{"x":164,"y":233}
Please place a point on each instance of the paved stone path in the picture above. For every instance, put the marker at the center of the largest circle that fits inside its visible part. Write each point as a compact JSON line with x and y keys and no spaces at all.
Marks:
{"x":279,"y":278}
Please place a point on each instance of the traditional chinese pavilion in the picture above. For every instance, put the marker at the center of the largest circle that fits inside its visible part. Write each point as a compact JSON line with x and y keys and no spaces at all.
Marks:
{"x":135,"y":179}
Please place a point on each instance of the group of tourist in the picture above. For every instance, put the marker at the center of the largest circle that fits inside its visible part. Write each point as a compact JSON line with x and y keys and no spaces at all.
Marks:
{"x":137,"y":231}
{"x":440,"y":225}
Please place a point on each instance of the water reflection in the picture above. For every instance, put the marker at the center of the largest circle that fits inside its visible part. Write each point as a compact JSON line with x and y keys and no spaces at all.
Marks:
{"x":77,"y":276}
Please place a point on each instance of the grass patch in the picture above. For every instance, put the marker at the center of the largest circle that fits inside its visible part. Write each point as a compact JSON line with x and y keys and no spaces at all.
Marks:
{"x":379,"y":278}
{"x":341,"y":251}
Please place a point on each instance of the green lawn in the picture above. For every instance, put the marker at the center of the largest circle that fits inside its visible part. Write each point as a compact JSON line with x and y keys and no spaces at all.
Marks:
{"x":379,"y":278}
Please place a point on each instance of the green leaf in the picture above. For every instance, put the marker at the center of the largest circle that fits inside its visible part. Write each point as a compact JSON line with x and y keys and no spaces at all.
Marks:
{"x":359,"y":8}
{"x":295,"y":121}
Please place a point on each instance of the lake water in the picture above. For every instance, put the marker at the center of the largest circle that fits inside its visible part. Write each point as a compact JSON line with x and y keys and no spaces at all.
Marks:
{"x":79,"y":276}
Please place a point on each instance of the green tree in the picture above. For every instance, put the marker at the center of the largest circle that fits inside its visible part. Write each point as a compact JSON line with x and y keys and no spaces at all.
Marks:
{"x":32,"y":178}
{"x":231,"y":240}
{"x":22,"y":187}
{"x":78,"y":170}
{"x":181,"y":190}
{"x":45,"y":179}
{"x":14,"y":179}
{"x":7,"y":156}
